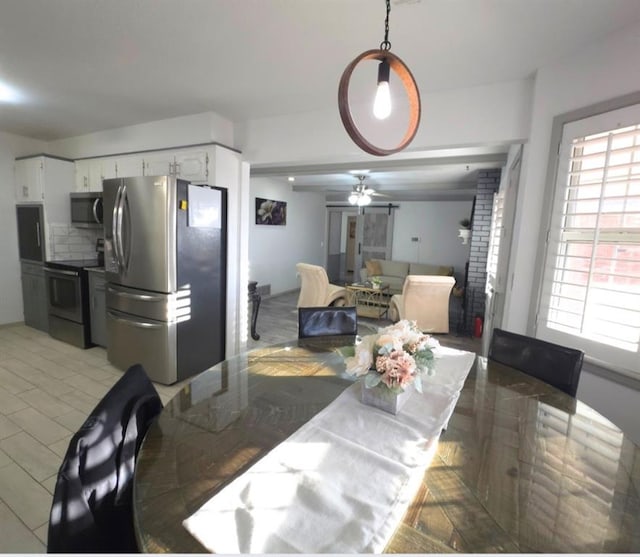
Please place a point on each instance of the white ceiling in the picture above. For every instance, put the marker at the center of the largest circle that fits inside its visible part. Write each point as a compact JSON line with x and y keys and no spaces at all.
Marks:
{"x":78,"y":66}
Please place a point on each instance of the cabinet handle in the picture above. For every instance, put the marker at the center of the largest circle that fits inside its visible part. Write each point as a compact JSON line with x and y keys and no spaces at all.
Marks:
{"x":38,"y":233}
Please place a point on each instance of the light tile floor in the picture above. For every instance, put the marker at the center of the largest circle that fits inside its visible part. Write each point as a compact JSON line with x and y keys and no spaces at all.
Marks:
{"x":48,"y":388}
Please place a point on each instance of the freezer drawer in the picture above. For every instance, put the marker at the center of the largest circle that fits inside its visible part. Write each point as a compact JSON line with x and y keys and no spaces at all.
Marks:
{"x":153,"y":305}
{"x":137,"y":340}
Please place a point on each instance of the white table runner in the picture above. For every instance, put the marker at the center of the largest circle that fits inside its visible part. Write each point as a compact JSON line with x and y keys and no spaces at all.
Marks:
{"x":342,"y":482}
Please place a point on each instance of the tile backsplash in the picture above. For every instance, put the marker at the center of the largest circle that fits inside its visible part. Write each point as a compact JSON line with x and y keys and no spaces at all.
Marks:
{"x":69,"y":242}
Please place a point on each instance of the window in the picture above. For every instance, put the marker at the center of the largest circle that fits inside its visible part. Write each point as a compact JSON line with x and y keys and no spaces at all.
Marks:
{"x":591,"y":287}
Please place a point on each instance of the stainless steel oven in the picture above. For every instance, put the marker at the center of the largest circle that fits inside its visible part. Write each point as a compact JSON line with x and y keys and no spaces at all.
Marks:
{"x":68,"y":301}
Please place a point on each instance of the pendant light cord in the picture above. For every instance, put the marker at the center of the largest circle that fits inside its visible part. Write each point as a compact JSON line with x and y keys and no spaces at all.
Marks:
{"x":386,"y":45}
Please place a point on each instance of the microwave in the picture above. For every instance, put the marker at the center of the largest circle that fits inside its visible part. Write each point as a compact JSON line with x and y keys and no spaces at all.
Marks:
{"x":86,"y":209}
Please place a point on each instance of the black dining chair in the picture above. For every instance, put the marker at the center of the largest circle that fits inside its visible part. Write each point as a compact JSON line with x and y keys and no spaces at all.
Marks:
{"x":554,"y":364}
{"x":325,"y":321}
{"x":92,"y":510}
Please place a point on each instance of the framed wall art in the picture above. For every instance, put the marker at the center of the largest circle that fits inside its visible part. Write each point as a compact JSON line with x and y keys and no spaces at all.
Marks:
{"x":271,"y":212}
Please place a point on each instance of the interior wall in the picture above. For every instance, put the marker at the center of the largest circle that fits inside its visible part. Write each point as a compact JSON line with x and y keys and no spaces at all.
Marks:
{"x":436,"y":225}
{"x":206,"y":127}
{"x":495,"y":113}
{"x":614,"y":401}
{"x":275,"y":250}
{"x":603,"y":70}
{"x":11,"y":146}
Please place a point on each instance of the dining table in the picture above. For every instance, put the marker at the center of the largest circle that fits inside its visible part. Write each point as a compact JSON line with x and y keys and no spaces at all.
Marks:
{"x":520,"y":467}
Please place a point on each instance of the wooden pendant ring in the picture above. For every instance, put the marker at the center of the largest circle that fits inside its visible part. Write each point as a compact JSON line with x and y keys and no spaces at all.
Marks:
{"x":410,"y":87}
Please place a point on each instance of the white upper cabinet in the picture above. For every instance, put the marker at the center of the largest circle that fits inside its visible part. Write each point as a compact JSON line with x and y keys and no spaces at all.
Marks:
{"x":91,"y":172}
{"x":47,"y":180}
{"x":195,"y":165}
{"x":29,"y":180}
{"x":159,"y":164}
{"x":82,"y":175}
{"x":128,"y":165}
{"x":192,"y":165}
{"x":188,"y":164}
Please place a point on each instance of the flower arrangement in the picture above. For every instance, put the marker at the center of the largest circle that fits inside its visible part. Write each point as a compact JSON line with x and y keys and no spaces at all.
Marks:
{"x":397,"y":356}
{"x":376,"y":282}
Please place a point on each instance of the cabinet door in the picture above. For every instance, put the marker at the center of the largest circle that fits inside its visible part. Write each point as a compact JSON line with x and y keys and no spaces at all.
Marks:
{"x":109,"y":168}
{"x":30,"y":232}
{"x":34,"y":298}
{"x":28,"y":179}
{"x":96,"y":174}
{"x":159,"y":164}
{"x":129,"y":166}
{"x":82,"y":175}
{"x":98,"y":309}
{"x":192,"y":166}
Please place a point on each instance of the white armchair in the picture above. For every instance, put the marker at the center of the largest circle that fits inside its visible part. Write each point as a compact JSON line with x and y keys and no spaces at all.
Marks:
{"x":425,"y":300}
{"x":315,"y":289}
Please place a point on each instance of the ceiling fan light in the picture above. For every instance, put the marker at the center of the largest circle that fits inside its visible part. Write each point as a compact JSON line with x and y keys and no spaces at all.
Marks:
{"x":364,"y":199}
{"x":353,"y":198}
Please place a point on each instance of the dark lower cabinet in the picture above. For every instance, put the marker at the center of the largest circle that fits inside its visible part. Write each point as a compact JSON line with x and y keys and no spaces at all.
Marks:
{"x":98,"y":308}
{"x":34,"y":296}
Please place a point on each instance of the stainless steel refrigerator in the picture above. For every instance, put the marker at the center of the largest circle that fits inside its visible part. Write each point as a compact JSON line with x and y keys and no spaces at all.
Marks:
{"x":165,"y":266}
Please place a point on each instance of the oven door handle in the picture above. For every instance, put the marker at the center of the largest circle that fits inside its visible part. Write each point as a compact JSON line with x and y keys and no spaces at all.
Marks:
{"x":62,"y":272}
{"x":135,"y":323}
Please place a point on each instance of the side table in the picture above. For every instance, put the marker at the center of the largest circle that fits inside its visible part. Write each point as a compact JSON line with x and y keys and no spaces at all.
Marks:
{"x":369,"y":301}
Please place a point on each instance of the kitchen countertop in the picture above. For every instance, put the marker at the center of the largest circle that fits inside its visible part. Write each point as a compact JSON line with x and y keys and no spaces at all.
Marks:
{"x":95,"y":270}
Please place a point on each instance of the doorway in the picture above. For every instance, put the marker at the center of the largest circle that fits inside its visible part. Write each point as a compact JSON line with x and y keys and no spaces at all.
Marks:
{"x":352,"y":224}
{"x":354,"y":238}
{"x":502,"y":219}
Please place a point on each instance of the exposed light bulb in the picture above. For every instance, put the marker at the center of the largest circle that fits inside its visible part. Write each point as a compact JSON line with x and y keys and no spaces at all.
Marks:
{"x":382,"y":102}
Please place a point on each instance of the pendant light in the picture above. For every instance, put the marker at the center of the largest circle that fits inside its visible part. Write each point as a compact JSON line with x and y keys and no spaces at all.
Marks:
{"x":382,"y":106}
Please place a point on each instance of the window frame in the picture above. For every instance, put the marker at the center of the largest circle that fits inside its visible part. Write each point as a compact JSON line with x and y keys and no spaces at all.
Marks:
{"x":607,"y":364}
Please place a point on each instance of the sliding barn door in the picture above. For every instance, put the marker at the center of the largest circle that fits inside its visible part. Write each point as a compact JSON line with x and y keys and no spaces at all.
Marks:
{"x":374,"y":236}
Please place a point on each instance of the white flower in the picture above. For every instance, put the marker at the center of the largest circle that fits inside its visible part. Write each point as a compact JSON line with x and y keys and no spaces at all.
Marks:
{"x":266,"y":208}
{"x":361,"y":362}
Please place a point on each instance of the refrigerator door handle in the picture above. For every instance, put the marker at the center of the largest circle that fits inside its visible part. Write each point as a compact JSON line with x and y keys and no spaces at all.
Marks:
{"x":135,"y":323}
{"x":115,"y":223}
{"x":126,"y":214}
{"x":142,"y":297}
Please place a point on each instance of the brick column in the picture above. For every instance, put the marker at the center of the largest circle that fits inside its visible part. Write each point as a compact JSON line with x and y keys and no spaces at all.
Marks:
{"x":487,"y":186}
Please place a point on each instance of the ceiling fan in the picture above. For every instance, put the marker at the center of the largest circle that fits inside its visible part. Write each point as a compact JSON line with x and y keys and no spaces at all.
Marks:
{"x":361,"y":194}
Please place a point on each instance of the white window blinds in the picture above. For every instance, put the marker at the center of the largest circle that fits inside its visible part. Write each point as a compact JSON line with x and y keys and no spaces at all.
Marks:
{"x":591,"y":290}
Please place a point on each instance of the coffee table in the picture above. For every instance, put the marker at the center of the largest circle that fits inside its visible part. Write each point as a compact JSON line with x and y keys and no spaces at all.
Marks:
{"x":369,"y":301}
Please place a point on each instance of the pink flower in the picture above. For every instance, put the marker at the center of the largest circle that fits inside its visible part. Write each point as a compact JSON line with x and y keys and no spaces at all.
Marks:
{"x":397,"y":369}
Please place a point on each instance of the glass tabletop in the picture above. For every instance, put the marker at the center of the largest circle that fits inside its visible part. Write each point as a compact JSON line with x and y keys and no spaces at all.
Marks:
{"x":522,"y":467}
